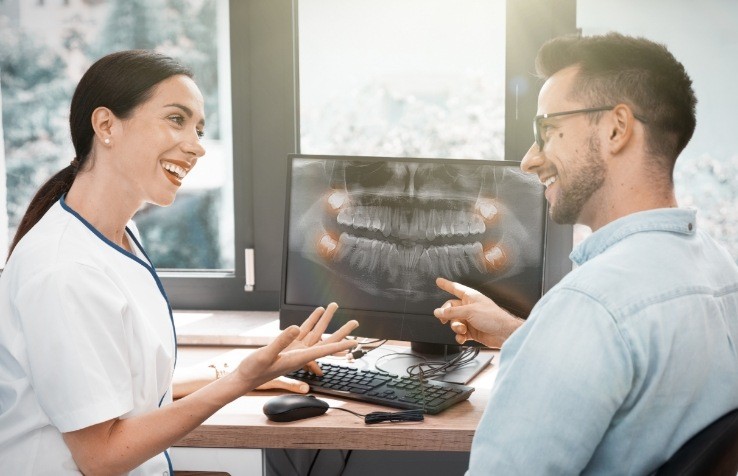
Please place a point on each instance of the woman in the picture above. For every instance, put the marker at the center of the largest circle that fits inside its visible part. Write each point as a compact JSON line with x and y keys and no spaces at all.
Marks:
{"x":87,"y":347}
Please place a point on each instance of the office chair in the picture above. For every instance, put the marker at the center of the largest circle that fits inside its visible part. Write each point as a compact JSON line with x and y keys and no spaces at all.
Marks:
{"x":712,"y":451}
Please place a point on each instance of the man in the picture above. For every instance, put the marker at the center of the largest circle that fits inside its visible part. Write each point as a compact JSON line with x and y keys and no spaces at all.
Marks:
{"x":633,"y":352}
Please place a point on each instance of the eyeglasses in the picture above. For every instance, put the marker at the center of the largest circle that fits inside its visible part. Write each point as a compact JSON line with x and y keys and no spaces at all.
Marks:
{"x":537,"y":120}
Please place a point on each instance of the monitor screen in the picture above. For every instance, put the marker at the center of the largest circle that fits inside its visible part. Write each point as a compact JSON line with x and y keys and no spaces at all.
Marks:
{"x":373,"y":233}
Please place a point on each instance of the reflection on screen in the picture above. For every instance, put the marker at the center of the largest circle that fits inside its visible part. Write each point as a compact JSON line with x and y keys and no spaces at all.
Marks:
{"x":374,"y":234}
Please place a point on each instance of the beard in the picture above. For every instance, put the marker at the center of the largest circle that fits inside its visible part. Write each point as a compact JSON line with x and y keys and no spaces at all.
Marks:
{"x":583,"y":181}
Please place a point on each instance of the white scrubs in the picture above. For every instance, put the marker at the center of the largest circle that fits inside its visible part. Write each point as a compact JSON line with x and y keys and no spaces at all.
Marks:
{"x":86,"y":335}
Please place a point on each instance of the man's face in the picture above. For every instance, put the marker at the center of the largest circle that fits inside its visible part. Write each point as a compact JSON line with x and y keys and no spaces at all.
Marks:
{"x":570,"y":164}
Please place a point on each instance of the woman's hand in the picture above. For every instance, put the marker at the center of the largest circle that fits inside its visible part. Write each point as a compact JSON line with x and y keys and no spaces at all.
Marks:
{"x":296,"y":347}
{"x":312,"y":330}
{"x":285,"y":383}
{"x":189,"y":379}
{"x":475,"y":316}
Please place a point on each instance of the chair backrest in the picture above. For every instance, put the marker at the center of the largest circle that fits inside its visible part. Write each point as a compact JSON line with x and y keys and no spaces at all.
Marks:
{"x":712,"y":451}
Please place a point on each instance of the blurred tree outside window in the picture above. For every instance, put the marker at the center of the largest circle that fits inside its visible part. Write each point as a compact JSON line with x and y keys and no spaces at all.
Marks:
{"x":45,"y":47}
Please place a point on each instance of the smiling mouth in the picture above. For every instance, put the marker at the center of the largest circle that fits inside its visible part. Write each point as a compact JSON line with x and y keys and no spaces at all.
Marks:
{"x":175,"y":171}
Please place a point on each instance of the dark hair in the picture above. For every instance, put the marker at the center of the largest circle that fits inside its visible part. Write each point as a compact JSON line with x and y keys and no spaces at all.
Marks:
{"x":119,"y":81}
{"x":615,"y":68}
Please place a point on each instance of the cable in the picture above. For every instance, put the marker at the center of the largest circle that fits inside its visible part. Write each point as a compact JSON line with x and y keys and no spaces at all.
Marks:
{"x":359,"y":352}
{"x":345,"y":461}
{"x":430,"y":369}
{"x":381,"y":417}
{"x":373,"y":341}
{"x":312,"y":463}
{"x":392,"y":417}
{"x":360,"y":415}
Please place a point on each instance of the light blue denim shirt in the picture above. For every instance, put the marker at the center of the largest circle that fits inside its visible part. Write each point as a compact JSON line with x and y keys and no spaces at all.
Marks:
{"x":624,"y":360}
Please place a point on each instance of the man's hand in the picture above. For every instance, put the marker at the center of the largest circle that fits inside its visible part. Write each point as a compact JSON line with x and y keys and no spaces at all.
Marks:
{"x":474,"y":316}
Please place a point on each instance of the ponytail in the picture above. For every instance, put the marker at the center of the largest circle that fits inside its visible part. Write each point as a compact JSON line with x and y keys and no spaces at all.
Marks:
{"x":47,"y":195}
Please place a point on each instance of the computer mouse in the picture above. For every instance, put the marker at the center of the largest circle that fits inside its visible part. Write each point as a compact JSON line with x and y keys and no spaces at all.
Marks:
{"x":293,"y":407}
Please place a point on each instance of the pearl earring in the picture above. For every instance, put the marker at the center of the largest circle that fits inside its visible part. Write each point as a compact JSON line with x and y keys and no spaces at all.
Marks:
{"x":107,"y":141}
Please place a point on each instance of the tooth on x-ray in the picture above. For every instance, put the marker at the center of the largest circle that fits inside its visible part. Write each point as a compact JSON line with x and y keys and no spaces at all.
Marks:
{"x":487,"y":208}
{"x":327,"y":246}
{"x":371,"y":255}
{"x":415,"y":225}
{"x":336,"y":199}
{"x":378,"y":212}
{"x":495,"y":258}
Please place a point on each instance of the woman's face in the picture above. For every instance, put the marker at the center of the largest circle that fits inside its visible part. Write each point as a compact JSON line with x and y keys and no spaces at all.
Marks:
{"x":160,"y":142}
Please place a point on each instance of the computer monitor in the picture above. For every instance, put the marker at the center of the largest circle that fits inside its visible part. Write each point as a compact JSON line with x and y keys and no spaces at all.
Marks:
{"x":373,"y":233}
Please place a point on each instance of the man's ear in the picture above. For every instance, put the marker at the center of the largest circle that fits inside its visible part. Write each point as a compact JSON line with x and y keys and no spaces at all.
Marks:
{"x":621,"y":128}
{"x":102,"y":123}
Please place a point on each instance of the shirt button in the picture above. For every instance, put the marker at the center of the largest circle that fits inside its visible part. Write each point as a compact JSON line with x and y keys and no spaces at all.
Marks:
{"x":689,"y":227}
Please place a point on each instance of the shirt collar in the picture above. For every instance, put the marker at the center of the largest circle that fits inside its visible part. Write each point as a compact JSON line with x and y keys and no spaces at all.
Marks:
{"x":675,"y":220}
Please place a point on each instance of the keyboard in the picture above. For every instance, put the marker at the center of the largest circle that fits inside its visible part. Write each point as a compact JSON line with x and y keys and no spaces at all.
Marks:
{"x":372,"y":386}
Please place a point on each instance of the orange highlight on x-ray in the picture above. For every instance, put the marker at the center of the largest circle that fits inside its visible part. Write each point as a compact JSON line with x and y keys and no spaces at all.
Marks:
{"x":495,"y":258}
{"x":327,"y":246}
{"x":488,"y":208}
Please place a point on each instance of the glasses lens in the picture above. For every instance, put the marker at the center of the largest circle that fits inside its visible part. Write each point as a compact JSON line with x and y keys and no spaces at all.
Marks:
{"x":537,"y":134}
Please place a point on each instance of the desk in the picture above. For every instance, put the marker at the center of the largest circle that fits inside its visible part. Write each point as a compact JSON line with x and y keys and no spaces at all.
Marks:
{"x":241,"y":424}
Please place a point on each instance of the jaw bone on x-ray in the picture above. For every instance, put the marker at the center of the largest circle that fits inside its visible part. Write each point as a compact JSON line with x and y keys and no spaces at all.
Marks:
{"x":388,"y":228}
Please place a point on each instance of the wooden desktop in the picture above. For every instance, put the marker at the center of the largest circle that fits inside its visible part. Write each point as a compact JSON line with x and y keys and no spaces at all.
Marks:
{"x":243,"y":425}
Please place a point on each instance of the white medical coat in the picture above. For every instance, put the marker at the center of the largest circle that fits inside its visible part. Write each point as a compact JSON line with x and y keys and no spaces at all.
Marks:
{"x":86,"y":335}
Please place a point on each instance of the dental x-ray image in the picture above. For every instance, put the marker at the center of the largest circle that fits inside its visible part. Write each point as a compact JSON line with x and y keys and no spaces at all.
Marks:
{"x":374,"y":233}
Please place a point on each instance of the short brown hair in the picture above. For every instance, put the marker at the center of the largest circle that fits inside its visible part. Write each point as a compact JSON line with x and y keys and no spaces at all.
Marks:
{"x":614,"y":69}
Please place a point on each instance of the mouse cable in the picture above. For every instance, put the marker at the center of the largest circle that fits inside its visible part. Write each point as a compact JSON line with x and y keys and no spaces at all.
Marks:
{"x":380,"y":417}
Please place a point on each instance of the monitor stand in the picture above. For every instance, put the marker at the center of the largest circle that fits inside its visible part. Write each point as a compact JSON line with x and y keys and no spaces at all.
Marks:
{"x":396,"y":360}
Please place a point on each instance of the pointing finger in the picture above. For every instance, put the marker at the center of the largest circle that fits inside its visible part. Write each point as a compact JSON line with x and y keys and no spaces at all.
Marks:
{"x":457,"y":289}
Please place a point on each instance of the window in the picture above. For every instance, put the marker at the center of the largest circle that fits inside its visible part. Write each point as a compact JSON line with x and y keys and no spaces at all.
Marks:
{"x":705,"y":40}
{"x":423,"y":78}
{"x":44,"y":49}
